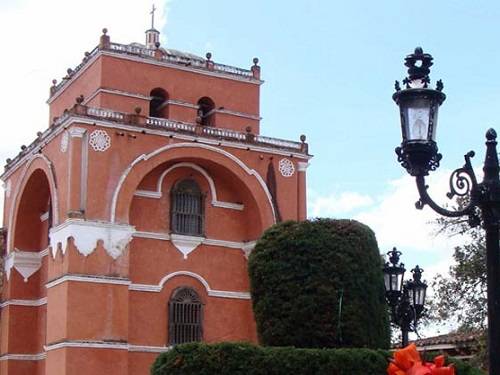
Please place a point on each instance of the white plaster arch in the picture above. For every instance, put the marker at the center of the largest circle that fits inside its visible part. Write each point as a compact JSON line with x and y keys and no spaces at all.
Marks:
{"x":240,"y":163}
{"x":185,"y":273}
{"x":21,"y":183}
{"x":215,"y":202}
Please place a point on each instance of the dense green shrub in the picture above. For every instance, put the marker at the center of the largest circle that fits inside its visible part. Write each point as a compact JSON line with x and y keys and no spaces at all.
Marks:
{"x":246,"y":359}
{"x":319,"y":284}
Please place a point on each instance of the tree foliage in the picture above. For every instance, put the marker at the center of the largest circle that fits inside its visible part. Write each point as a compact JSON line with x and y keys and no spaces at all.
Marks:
{"x":461,"y":295}
{"x":319,"y":284}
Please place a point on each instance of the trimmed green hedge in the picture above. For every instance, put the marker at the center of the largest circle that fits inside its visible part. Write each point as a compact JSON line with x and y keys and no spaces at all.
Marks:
{"x":317,"y":284}
{"x":247,"y":359}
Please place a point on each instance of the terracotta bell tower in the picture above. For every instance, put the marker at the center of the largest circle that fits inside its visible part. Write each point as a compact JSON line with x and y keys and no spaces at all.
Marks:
{"x":130,"y":218}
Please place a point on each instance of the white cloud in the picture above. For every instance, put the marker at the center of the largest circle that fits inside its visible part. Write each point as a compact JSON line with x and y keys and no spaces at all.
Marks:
{"x":41,"y":39}
{"x":335,"y":204}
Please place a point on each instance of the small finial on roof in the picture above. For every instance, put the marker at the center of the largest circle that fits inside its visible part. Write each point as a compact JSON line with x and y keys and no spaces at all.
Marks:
{"x":255,"y":60}
{"x":104,"y":31}
{"x":208,"y":55}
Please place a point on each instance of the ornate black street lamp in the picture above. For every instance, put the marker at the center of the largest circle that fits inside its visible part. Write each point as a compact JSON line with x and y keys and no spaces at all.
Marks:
{"x":418,"y":153}
{"x":406,"y":299}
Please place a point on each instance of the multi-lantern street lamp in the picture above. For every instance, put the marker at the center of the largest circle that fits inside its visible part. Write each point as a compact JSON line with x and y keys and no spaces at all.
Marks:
{"x":406,"y":299}
{"x":419,"y":155}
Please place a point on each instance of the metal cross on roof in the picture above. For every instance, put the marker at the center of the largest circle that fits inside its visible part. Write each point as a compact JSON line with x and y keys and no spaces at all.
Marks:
{"x":153,"y":16}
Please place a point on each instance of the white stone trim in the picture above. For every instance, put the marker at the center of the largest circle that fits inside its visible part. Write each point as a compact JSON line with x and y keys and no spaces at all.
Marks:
{"x":23,"y":357}
{"x":47,"y":137}
{"x":152,"y":235}
{"x":302,"y":166}
{"x":148,"y":349}
{"x":181,"y":104}
{"x":24,"y":302}
{"x":103,"y":345}
{"x":185,"y":244}
{"x":76,"y":132}
{"x":246,"y":247}
{"x":249,"y":171}
{"x":148,"y":194}
{"x":87,"y":344}
{"x":238,"y":114}
{"x":216,"y":203}
{"x":14,"y":204}
{"x":211,"y":292}
{"x":25,"y":262}
{"x":115,"y":92}
{"x":44,"y":216}
{"x":88,"y":279}
{"x":85,"y":234}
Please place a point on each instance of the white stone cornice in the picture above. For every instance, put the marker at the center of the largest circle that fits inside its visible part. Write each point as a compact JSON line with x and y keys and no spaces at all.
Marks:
{"x":24,"y":302}
{"x":23,"y":357}
{"x":87,"y":344}
{"x":88,"y":279}
{"x":85,"y":234}
{"x":76,"y":132}
{"x":148,"y":194}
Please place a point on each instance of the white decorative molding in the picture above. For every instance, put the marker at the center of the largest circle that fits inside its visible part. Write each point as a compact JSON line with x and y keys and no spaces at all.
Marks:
{"x":8,"y":187}
{"x":85,"y":234}
{"x":25,"y":262}
{"x":100,"y":140}
{"x":239,"y":114}
{"x":148,"y":349}
{"x":76,"y":132}
{"x":44,"y":216}
{"x":213,"y":192}
{"x":64,"y":142}
{"x":23,"y":357}
{"x":24,"y":302}
{"x":88,"y":279}
{"x":87,"y":344}
{"x":211,"y":292}
{"x":246,"y":247}
{"x":148,"y":194}
{"x":218,"y":150}
{"x":302,"y":166}
{"x":49,"y":135}
{"x":286,"y":167}
{"x":185,"y":244}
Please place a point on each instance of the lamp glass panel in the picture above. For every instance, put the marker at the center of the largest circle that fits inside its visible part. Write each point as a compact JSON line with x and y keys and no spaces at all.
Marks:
{"x":435,"y":121}
{"x":395,"y":283}
{"x":417,"y":115}
{"x":387,"y":281}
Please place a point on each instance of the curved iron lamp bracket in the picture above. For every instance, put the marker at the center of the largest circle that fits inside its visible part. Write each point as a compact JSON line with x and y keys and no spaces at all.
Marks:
{"x":463,"y":183}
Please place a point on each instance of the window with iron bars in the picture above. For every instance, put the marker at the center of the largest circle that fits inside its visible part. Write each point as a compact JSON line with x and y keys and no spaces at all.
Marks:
{"x":187,"y":213}
{"x":185,"y":317}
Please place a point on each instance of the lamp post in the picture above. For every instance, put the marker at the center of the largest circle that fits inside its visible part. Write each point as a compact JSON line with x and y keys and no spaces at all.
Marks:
{"x":406,"y":299}
{"x":418,"y":154}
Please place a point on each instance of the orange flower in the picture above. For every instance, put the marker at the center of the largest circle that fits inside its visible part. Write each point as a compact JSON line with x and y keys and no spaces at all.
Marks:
{"x":407,"y":361}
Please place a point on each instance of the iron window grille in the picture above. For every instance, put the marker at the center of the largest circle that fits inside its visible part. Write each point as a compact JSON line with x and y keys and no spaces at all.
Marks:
{"x":187,"y":213}
{"x":185,"y":323}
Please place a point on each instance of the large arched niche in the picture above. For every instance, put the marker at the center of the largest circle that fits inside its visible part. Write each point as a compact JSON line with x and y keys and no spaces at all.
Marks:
{"x":229,"y":207}
{"x":34,"y":207}
{"x":34,"y":214}
{"x":220,"y":164}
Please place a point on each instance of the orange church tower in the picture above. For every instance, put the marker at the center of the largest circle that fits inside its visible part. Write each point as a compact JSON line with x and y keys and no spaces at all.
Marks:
{"x":129,"y":220}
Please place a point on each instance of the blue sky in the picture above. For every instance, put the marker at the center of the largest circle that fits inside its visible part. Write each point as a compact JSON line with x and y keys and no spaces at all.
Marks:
{"x":329,"y":68}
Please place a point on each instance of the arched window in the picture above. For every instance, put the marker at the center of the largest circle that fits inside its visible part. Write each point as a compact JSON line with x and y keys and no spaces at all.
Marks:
{"x":185,"y":317}
{"x":206,"y":111}
{"x":158,"y":105}
{"x":187,"y":208}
